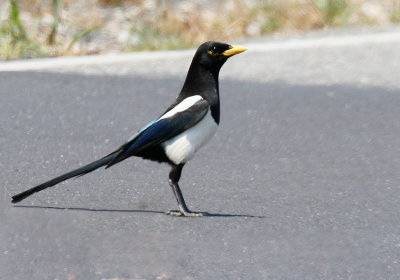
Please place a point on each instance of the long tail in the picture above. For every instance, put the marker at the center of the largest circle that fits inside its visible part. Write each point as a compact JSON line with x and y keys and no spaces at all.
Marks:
{"x":74,"y":173}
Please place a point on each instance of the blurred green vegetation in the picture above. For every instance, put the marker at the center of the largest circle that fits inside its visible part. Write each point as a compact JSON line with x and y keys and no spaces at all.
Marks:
{"x":35,"y":28}
{"x":395,"y":12}
{"x":335,"y":12}
{"x":16,"y":42}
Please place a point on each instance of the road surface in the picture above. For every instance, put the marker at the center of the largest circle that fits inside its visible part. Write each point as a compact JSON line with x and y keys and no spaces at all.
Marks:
{"x":302,"y":178}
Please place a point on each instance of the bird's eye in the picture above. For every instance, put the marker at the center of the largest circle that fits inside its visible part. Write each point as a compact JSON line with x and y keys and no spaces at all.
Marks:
{"x":213,"y":51}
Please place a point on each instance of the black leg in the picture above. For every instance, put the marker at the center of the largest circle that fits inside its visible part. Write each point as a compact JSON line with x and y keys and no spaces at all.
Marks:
{"x":173,"y":180}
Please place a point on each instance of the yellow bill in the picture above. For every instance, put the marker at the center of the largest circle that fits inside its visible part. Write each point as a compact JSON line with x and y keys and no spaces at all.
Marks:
{"x":234,"y":50}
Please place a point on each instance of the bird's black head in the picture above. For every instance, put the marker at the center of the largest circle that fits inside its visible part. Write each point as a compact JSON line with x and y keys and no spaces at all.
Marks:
{"x":212,"y":55}
{"x":202,"y":77}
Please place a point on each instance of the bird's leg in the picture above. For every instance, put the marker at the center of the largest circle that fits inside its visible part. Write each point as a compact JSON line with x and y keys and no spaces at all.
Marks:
{"x":173,"y":180}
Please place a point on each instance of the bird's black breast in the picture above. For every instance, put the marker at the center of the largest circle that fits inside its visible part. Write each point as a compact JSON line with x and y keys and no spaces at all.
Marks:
{"x":155,"y":153}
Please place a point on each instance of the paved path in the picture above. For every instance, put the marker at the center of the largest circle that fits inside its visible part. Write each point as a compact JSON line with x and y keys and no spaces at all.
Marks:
{"x":302,"y":177}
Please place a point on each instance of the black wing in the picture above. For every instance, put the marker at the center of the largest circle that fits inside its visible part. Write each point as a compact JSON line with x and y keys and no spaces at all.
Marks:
{"x":161,"y":130}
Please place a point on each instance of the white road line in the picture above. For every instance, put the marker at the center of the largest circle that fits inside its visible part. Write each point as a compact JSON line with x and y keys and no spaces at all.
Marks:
{"x":328,"y":41}
{"x":67,"y":61}
{"x":291,"y":44}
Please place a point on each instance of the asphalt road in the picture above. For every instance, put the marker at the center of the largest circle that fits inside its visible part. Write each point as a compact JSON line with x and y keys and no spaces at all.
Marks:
{"x":302,"y":177}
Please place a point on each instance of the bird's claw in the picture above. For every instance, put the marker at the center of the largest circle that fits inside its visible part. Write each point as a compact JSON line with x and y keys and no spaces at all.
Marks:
{"x":177,"y":213}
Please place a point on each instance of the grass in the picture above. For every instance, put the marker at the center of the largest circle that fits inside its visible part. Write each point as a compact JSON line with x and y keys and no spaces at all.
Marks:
{"x":34,"y":28}
{"x":15,"y":42}
{"x":57,"y":4}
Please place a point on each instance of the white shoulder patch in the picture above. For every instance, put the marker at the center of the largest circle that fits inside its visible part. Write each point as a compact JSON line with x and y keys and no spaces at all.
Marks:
{"x":185,"y":104}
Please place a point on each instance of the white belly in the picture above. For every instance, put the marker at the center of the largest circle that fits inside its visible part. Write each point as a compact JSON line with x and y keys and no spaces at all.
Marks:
{"x":182,"y":147}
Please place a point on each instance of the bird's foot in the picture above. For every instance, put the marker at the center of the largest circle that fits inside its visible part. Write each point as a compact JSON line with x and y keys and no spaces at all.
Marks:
{"x":186,"y":213}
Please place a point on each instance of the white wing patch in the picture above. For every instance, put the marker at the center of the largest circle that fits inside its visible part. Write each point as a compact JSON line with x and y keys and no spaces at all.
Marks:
{"x":185,"y":104}
{"x":182,"y":147}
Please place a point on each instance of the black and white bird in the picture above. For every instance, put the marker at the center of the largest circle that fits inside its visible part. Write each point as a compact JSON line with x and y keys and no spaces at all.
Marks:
{"x":174,"y":137}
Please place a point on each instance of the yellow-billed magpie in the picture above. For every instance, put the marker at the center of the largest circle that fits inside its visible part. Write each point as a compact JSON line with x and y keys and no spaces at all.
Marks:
{"x":179,"y":132}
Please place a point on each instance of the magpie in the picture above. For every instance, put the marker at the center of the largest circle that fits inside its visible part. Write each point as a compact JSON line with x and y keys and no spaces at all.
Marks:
{"x":174,"y":137}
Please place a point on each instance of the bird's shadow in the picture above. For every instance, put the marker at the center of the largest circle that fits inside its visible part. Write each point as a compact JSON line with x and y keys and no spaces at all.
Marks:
{"x":133,"y":211}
